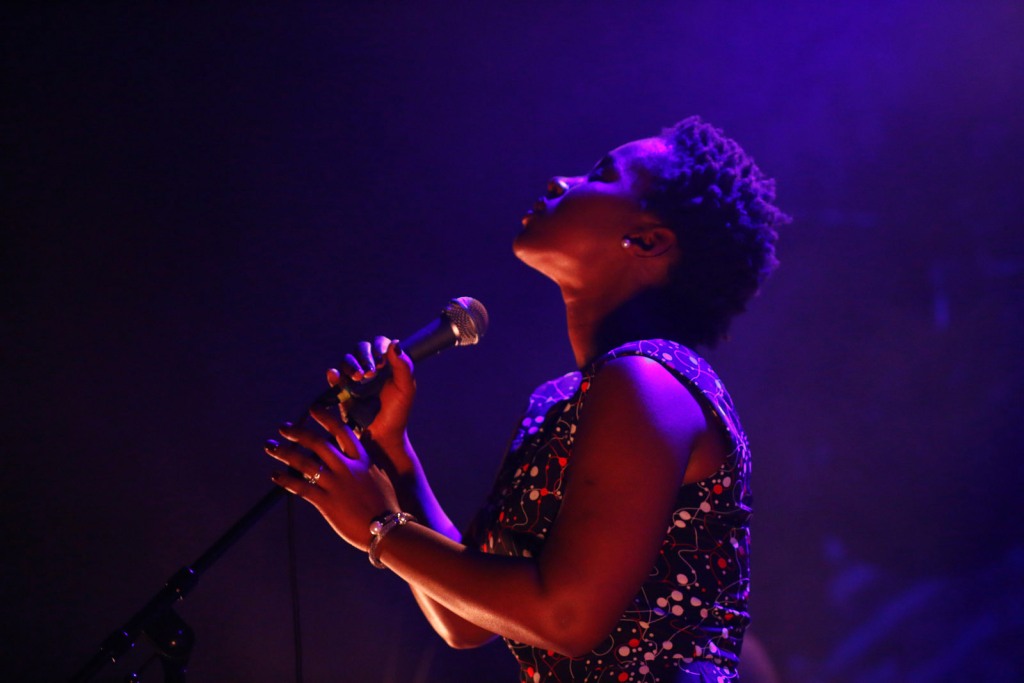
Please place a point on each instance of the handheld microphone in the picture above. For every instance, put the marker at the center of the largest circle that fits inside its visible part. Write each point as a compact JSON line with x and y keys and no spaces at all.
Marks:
{"x":462,"y":322}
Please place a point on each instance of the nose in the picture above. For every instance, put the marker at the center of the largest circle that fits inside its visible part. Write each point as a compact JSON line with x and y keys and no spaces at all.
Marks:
{"x":557,"y":186}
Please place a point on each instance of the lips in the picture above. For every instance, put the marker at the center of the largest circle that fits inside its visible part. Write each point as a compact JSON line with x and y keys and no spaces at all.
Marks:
{"x":539,"y":206}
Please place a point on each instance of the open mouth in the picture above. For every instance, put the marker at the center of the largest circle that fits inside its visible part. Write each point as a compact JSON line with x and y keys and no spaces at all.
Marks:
{"x":539,"y":206}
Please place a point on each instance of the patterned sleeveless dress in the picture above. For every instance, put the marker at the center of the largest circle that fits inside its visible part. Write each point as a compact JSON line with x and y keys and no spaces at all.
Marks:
{"x":691,"y":612}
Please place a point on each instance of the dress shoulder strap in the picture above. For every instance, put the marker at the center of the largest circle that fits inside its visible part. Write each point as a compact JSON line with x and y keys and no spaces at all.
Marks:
{"x":689,"y":368}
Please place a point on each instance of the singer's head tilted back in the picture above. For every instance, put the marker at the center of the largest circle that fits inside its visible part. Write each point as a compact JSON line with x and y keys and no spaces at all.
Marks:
{"x":624,"y":495}
{"x":681,"y":226}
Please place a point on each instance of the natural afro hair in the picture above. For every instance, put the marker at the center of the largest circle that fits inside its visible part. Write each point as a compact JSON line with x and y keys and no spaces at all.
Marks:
{"x":721,"y":207}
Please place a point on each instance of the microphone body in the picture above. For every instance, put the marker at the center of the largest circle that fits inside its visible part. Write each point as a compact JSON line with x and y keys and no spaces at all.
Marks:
{"x":463,"y":322}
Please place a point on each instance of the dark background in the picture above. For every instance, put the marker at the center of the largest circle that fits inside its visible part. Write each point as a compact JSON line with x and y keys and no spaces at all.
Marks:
{"x":204,"y":206}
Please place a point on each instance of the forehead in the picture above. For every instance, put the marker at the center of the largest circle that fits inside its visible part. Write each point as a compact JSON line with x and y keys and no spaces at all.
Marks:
{"x":640,"y":151}
{"x":640,"y":157}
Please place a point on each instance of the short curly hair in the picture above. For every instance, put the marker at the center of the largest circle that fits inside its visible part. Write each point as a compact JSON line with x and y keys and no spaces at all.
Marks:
{"x":721,"y":207}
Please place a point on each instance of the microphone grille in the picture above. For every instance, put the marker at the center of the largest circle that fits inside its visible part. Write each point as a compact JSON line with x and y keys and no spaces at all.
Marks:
{"x":468,"y":318}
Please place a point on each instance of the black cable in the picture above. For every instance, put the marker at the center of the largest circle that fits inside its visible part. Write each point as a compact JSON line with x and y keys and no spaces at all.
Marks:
{"x":293,"y":579}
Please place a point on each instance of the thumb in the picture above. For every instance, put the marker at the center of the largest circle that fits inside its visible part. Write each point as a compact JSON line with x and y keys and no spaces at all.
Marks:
{"x":401,"y":368}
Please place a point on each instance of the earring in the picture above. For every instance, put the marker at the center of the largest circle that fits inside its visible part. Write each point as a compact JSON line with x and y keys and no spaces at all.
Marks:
{"x":626,"y":243}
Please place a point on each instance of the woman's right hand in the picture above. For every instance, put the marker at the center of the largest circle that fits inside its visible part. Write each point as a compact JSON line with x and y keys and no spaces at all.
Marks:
{"x":388,"y":428}
{"x":387,"y":444}
{"x":386,"y":441}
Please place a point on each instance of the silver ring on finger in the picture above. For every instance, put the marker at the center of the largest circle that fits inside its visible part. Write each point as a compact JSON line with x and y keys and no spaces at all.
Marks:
{"x":315,"y":477}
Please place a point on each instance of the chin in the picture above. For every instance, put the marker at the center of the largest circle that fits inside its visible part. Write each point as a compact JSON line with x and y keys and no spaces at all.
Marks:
{"x":520,"y":245}
{"x":522,"y":251}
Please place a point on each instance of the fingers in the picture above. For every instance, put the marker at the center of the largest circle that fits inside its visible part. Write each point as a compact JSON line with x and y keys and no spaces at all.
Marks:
{"x":313,"y":440}
{"x":305,"y":465}
{"x":364,"y":354}
{"x":380,"y":346}
{"x":310,"y":439}
{"x":401,"y":368}
{"x":300,"y":487}
{"x":304,"y":475}
{"x":349,"y":367}
{"x":351,"y":447}
{"x":363,"y":363}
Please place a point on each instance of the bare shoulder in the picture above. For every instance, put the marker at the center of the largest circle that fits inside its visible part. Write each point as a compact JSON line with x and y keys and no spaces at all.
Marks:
{"x":633,"y":441}
{"x":634,"y":394}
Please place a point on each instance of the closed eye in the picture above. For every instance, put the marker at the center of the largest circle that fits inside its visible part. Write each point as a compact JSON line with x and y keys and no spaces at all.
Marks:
{"x":604,"y":171}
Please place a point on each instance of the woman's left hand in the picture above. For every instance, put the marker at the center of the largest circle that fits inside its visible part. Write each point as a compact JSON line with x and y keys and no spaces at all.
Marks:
{"x":334,"y":474}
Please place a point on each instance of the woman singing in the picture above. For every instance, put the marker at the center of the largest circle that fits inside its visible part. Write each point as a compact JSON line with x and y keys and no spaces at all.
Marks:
{"x":614,"y":545}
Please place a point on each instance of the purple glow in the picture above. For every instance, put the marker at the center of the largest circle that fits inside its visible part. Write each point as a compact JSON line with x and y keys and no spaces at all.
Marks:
{"x":207,"y":204}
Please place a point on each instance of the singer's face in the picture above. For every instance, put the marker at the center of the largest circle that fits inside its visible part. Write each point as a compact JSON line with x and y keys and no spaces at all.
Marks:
{"x":574,"y":232}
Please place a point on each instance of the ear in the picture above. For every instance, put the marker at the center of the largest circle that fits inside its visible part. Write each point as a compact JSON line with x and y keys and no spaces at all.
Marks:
{"x":649,"y":241}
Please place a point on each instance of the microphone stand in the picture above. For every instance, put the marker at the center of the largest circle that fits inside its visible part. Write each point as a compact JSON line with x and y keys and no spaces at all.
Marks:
{"x":172,"y":637}
{"x":462,"y":322}
{"x":158,"y":621}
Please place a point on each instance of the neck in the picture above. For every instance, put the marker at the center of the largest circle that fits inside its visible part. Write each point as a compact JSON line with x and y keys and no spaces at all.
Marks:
{"x":598,"y":324}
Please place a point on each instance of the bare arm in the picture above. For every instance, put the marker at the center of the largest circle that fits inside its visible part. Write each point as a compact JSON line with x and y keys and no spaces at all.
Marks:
{"x":632,"y":449}
{"x":416,"y":497}
{"x":387,"y":442}
{"x":631,"y":452}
